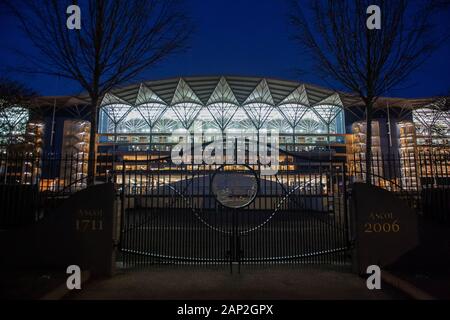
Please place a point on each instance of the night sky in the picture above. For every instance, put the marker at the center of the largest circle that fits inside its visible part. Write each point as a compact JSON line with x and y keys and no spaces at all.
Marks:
{"x":246,"y":37}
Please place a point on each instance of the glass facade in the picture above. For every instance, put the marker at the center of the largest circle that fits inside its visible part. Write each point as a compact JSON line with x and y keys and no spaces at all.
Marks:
{"x":13,"y":124}
{"x":150,"y":115}
{"x":432,"y":125}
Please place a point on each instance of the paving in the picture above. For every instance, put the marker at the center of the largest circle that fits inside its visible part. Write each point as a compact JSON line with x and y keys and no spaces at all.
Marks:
{"x":428,"y":265}
{"x":260,"y":283}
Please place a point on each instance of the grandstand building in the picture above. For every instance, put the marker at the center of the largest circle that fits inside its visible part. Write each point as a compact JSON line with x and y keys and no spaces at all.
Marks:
{"x":138,"y":120}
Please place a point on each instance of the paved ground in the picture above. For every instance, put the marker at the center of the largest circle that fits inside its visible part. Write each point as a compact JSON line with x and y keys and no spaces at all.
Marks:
{"x":26,"y":284}
{"x":279,"y":283}
{"x":428,"y":266}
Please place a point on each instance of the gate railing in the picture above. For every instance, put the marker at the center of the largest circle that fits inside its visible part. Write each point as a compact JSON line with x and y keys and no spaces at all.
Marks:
{"x":32,"y":185}
{"x":170,"y":214}
{"x":157,"y":194}
{"x":423,"y":179}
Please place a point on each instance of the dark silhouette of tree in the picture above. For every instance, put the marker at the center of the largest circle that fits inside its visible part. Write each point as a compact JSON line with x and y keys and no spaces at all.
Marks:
{"x":14,"y":93}
{"x":441,"y":4}
{"x":367,"y":62}
{"x":118,"y":40}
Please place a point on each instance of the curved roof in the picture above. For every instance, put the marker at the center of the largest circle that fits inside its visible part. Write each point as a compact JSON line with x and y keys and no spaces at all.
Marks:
{"x":243,"y":89}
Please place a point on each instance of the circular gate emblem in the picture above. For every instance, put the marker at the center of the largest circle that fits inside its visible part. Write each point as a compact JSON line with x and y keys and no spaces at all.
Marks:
{"x":235,"y":186}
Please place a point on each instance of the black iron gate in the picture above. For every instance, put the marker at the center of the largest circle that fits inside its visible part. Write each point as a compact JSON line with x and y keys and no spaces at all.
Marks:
{"x":231,"y":214}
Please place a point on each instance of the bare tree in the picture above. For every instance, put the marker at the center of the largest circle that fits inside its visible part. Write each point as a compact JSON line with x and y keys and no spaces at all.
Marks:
{"x":118,"y":40}
{"x":441,"y":4}
{"x":367,"y":62}
{"x":14,"y":93}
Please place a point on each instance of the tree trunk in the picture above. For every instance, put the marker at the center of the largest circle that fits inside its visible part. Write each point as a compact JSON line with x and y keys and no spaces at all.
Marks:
{"x":224,"y":145}
{"x":329,"y":142}
{"x":114,"y":148}
{"x":150,"y":141}
{"x":92,"y":141}
{"x":369,"y":105}
{"x":293,"y":139}
{"x":257,"y":152}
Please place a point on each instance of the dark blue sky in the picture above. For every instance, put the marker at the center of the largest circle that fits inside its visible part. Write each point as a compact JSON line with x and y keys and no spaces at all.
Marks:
{"x":246,"y":37}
